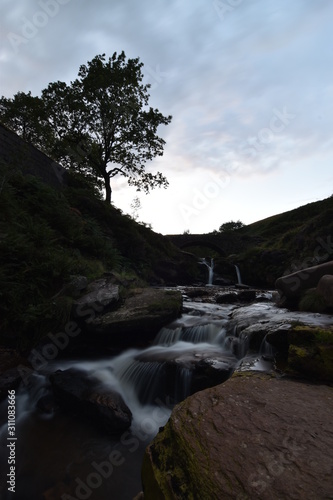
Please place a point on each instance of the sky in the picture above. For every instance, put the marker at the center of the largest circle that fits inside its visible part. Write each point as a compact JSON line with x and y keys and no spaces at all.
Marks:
{"x":248,"y":83}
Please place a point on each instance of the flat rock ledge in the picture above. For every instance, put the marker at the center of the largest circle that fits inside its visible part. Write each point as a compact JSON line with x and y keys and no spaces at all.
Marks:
{"x":140,"y":316}
{"x":255,"y":436}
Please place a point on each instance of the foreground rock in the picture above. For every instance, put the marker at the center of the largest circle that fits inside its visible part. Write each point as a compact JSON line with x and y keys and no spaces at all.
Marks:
{"x":252,"y":437}
{"x":138,"y":319}
{"x":76,"y":392}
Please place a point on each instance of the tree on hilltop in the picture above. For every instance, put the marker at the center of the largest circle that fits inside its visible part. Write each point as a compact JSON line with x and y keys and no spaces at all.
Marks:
{"x":231,"y":226}
{"x":100,"y":125}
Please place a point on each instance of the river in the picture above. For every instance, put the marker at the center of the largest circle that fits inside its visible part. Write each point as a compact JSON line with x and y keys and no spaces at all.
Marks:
{"x":60,"y":455}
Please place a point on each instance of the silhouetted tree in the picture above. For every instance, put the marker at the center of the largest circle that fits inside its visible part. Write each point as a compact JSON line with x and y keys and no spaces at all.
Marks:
{"x":100,"y":125}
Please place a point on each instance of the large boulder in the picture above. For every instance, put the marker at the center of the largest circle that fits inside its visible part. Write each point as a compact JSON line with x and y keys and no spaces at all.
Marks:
{"x":78,"y":393}
{"x":325,"y":289}
{"x":251,"y":437}
{"x":293,"y":285}
{"x":103,"y":294}
{"x":136,"y":322}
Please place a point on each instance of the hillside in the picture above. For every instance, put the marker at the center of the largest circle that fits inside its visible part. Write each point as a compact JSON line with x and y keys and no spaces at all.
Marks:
{"x":283,"y":243}
{"x":50,"y":237}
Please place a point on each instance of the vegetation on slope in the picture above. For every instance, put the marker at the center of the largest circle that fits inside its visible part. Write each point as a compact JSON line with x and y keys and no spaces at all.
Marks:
{"x":49,"y":236}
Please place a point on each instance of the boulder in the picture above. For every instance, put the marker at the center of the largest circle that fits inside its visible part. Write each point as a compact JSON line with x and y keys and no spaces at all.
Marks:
{"x":138,"y":319}
{"x":292,"y":285}
{"x":251,"y":437}
{"x":102,"y":296}
{"x":76,"y":392}
{"x":310,"y":352}
{"x":325,"y":288}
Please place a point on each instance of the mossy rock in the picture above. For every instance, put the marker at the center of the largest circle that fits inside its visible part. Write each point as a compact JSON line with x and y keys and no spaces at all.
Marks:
{"x":310,"y":352}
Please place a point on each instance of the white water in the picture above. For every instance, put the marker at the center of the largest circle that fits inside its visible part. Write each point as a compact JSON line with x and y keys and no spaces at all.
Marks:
{"x":239,"y":278}
{"x":210,"y":269}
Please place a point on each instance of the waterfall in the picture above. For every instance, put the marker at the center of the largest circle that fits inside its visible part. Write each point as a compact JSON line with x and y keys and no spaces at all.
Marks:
{"x":239,"y":278}
{"x":210,"y":269}
{"x":267,"y":351}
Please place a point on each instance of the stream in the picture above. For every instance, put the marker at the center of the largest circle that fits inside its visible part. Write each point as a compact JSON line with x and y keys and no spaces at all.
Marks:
{"x":60,"y":456}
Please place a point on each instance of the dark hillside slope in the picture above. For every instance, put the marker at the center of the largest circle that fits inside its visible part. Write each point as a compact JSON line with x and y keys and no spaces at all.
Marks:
{"x":286,"y":242}
{"x":48,"y":236}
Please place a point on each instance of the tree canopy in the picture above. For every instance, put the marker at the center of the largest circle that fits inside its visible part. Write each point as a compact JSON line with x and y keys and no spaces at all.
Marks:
{"x":100,"y":125}
{"x":231,"y":226}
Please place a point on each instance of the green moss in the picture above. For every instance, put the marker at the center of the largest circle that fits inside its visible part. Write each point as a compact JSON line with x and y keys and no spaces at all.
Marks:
{"x":171,"y":301}
{"x":310,"y":352}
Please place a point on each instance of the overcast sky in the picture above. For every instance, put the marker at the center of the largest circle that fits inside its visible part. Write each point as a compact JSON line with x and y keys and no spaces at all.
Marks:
{"x":248,"y":83}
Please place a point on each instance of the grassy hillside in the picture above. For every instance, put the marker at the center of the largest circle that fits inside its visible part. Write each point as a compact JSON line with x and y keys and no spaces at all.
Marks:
{"x":286,"y":242}
{"x":48,"y":236}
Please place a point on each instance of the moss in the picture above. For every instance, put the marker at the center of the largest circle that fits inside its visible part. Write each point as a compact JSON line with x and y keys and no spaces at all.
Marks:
{"x":171,"y":300}
{"x":310,"y":352}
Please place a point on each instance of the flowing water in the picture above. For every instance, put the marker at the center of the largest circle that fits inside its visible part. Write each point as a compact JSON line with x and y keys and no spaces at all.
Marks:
{"x":58,"y":452}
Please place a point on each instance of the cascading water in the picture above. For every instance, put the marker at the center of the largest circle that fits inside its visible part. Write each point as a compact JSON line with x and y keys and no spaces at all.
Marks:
{"x":149,"y":380}
{"x":239,"y":278}
{"x":210,"y":269}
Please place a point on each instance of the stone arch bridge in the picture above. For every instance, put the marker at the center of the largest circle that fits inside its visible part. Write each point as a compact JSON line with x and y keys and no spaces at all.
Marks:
{"x":221,"y":243}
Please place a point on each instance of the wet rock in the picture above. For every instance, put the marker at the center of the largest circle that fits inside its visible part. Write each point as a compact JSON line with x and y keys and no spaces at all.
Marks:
{"x":179,"y":374}
{"x":75,"y":391}
{"x":238,"y":295}
{"x":138,"y":319}
{"x":251,"y":437}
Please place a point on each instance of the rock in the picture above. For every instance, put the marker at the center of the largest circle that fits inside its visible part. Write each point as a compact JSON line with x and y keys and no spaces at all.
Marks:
{"x":325,"y":288}
{"x":103,"y":294}
{"x":75,"y":391}
{"x":179,"y":374}
{"x":251,"y":437}
{"x":239,"y":295}
{"x":78,"y":283}
{"x":138,"y":319}
{"x":292,"y":285}
{"x":13,"y":368}
{"x":310,"y":352}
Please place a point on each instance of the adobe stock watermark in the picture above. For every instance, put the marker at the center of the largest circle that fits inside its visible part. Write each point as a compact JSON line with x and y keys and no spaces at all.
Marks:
{"x":203,"y":197}
{"x":103,"y":470}
{"x":223,"y":8}
{"x":277,"y":124}
{"x":307,"y":267}
{"x":156,"y":75}
{"x":273,"y":464}
{"x":30,"y":27}
{"x":40,"y":357}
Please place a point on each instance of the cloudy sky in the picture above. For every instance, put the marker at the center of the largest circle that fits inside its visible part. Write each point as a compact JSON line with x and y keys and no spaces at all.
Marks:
{"x":248,"y":83}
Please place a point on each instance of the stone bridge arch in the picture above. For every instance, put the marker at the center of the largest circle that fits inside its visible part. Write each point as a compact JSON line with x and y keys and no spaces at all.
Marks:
{"x":203,"y":243}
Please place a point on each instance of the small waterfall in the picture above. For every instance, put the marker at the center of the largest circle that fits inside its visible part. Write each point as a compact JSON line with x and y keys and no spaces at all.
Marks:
{"x":267,"y":351}
{"x":239,"y":278}
{"x":210,"y":269}
{"x":210,"y":333}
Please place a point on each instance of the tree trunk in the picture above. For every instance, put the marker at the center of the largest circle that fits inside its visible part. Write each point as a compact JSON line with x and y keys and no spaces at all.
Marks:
{"x":108,"y":190}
